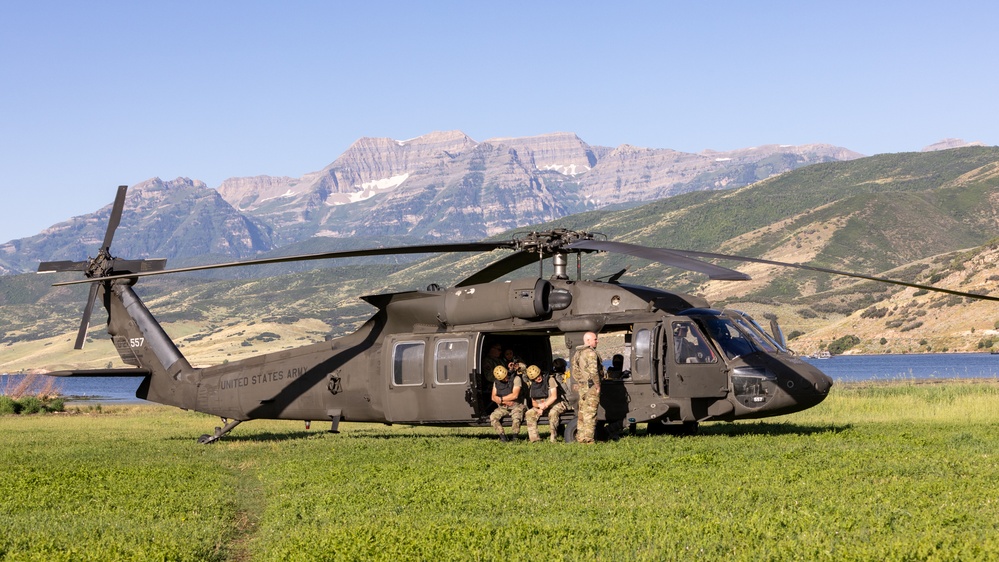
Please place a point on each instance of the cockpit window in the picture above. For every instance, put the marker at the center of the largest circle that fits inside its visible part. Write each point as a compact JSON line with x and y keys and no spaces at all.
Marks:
{"x":689,"y":345}
{"x":756,"y":328}
{"x":731,"y":340}
{"x":758,"y":336}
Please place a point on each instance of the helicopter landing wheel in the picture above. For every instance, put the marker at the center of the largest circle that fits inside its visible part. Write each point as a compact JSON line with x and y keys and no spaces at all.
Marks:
{"x":657,"y":427}
{"x":689,"y":428}
{"x":661,"y":427}
{"x":569,"y":433}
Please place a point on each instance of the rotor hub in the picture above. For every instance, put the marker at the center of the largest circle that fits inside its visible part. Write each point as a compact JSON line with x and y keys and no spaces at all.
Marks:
{"x":100,"y":266}
{"x":551,"y":241}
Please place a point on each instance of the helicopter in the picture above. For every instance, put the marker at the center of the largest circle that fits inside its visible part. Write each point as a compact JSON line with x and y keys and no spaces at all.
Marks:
{"x":419,"y":360}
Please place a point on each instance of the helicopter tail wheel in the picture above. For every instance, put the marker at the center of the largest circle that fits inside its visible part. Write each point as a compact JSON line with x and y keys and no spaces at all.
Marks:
{"x":219,"y":432}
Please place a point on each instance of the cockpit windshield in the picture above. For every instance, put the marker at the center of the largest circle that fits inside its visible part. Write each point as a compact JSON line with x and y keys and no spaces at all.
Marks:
{"x":758,"y":336}
{"x":750,"y":323}
{"x":732,"y":341}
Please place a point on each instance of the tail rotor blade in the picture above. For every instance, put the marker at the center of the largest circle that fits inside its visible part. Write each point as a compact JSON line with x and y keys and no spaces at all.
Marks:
{"x":115,"y":219}
{"x":157,"y":264}
{"x":81,"y":336}
{"x":64,"y":265}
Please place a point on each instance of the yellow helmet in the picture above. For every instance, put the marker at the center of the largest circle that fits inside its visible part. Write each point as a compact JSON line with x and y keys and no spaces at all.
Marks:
{"x":500,"y":373}
{"x":533,"y":372}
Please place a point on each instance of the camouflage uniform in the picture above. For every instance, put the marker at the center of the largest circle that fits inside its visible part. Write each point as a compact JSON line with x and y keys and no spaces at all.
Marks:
{"x":554,"y":411}
{"x":489,"y":363}
{"x":587,"y":372}
{"x":515,"y":410}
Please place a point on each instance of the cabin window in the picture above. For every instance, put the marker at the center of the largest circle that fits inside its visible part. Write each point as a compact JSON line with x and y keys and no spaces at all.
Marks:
{"x":407,"y":363}
{"x":451,"y":362}
{"x":641,"y":364}
{"x":643,"y":343}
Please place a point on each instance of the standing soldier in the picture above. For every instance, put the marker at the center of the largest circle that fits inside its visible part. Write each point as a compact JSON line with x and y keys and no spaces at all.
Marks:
{"x":545,"y":393}
{"x":506,"y":395}
{"x":587,"y":372}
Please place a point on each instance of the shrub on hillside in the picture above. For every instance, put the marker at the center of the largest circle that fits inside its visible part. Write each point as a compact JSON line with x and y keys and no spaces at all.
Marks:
{"x":874,"y":312}
{"x":31,"y":405}
{"x":8,"y":405}
{"x":842,"y":344}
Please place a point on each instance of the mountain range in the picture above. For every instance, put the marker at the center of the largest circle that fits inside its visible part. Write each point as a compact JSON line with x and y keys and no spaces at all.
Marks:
{"x":923,"y":217}
{"x":442,"y":186}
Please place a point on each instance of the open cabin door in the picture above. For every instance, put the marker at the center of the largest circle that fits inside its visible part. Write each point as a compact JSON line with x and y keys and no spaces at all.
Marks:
{"x":429,"y":378}
{"x":691,"y":367}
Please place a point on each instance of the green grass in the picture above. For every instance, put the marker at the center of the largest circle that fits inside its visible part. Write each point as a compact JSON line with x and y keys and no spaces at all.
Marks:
{"x":896,"y":471}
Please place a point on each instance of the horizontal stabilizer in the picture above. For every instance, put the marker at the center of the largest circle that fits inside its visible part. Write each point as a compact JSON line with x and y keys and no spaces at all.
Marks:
{"x":100,"y":373}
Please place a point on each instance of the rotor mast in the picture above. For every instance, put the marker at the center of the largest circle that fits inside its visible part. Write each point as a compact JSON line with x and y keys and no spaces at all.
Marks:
{"x":556,"y":244}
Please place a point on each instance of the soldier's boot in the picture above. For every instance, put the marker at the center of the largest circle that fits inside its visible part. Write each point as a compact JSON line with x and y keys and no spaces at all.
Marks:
{"x":515,"y":431}
{"x":553,"y":437}
{"x":499,"y":429}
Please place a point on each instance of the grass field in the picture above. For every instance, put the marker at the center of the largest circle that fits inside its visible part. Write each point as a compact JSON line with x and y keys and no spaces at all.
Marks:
{"x":897,"y":471}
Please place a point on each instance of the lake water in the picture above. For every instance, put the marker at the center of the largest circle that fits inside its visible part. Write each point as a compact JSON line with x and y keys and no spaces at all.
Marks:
{"x":97,"y":389}
{"x":905,"y":367}
{"x":842,"y":368}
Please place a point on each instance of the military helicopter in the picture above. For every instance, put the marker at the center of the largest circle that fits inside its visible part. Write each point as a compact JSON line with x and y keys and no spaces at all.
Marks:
{"x":419,"y":359}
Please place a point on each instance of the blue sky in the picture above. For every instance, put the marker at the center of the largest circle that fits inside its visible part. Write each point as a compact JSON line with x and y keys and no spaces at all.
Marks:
{"x":96,"y":94}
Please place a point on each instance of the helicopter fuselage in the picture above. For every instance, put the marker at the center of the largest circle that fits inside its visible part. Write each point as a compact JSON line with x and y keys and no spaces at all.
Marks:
{"x":419,"y":359}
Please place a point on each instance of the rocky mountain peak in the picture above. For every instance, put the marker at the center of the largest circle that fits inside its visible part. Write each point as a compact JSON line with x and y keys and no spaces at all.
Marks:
{"x":945,"y":144}
{"x":564,"y":153}
{"x":441,"y":185}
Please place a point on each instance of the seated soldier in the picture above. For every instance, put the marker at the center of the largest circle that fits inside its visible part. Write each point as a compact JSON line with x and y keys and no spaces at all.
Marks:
{"x":546,"y":395}
{"x":506,"y":395}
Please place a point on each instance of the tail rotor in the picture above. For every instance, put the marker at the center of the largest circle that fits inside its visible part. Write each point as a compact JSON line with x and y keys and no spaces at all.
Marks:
{"x":103,"y":265}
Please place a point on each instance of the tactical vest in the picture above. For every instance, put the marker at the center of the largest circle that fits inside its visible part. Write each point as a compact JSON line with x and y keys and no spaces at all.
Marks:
{"x":504,"y":387}
{"x":539,"y":390}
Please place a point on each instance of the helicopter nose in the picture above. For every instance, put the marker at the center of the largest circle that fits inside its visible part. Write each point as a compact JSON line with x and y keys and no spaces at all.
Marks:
{"x":823,"y":383}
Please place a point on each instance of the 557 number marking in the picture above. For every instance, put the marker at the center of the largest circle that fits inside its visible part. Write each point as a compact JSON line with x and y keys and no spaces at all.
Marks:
{"x":136,"y":342}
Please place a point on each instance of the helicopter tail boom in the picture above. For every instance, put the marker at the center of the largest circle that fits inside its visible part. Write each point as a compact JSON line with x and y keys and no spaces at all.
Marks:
{"x":141,"y":342}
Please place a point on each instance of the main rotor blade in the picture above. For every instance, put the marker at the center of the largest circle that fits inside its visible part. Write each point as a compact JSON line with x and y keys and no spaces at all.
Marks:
{"x":834,"y":272}
{"x":115,"y":219}
{"x":664,"y":256}
{"x":81,"y":336}
{"x":499,"y":268}
{"x":397,"y":250}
